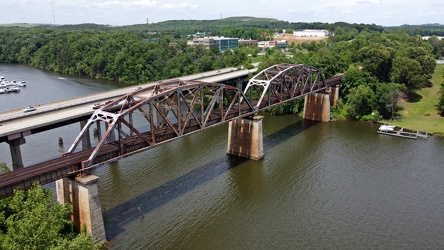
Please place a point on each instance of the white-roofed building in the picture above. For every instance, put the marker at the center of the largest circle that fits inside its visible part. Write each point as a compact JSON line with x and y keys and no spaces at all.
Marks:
{"x":310,"y":33}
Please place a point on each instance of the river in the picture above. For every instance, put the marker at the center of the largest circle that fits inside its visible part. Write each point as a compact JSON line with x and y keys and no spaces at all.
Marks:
{"x":336,"y":185}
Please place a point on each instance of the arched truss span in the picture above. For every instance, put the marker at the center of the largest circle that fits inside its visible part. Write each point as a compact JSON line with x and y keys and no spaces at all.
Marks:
{"x":283,"y":82}
{"x":159,"y":113}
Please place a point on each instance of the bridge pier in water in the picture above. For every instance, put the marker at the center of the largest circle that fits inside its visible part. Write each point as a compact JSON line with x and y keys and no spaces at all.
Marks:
{"x":245,"y":138}
{"x":86,"y":140}
{"x":334,"y":94}
{"x":317,"y":107}
{"x":83,"y":195}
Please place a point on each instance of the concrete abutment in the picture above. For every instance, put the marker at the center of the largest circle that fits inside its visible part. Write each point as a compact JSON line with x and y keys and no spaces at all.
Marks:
{"x":83,"y":195}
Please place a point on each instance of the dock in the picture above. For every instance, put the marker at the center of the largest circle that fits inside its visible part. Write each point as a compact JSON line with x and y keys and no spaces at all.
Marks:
{"x":404,"y":133}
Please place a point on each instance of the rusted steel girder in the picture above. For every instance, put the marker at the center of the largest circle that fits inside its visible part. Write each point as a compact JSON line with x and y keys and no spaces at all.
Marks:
{"x":283,"y":82}
{"x":175,"y":108}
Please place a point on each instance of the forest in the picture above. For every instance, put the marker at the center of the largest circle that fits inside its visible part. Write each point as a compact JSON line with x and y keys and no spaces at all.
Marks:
{"x":381,"y":64}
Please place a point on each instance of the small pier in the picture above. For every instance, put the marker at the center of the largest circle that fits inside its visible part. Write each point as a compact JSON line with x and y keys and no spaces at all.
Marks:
{"x":402,"y":132}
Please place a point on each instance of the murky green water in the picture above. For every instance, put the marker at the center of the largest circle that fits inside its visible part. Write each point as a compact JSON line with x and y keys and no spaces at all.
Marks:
{"x":336,"y":185}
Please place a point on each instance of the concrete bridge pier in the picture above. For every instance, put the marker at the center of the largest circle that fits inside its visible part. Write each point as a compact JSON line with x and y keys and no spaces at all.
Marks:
{"x":99,"y":131}
{"x":334,"y":95}
{"x":83,"y":195}
{"x":111,"y":136}
{"x":239,"y":82}
{"x":16,"y":153}
{"x":86,"y":140}
{"x":317,"y":107}
{"x":245,"y":138}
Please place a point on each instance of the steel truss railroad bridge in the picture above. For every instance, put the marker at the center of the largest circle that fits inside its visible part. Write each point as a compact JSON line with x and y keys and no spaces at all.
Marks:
{"x":170,"y":110}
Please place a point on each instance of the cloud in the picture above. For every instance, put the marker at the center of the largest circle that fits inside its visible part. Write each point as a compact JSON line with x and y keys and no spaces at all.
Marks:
{"x":363,"y":2}
{"x":124,"y":4}
{"x":348,"y":12}
{"x":185,"y":5}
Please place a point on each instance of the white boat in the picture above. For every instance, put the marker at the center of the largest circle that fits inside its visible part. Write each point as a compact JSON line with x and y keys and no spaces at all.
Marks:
{"x":387,"y":128}
{"x":2,"y":91}
{"x":15,"y":89}
{"x":19,"y":84}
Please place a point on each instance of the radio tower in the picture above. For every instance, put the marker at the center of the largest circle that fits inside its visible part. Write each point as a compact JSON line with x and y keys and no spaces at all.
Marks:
{"x":53,"y":15}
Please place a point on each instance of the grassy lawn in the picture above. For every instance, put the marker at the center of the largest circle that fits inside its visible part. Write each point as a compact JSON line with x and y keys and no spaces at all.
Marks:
{"x":423,"y":115}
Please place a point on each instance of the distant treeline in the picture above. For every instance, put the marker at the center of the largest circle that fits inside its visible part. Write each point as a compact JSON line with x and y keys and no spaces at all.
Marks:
{"x":422,"y":30}
{"x":236,"y":25}
{"x":125,"y":56}
{"x":379,"y":63}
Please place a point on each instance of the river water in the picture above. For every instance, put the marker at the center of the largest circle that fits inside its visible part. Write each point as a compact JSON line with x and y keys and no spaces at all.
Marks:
{"x":336,"y":185}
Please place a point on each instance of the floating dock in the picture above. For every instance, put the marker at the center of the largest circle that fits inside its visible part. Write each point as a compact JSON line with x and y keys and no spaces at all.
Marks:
{"x":402,"y":132}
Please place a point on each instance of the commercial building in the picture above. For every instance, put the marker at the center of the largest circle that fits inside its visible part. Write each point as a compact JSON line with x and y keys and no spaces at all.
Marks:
{"x":248,"y":42}
{"x":222,"y":43}
{"x":271,"y":44}
{"x":310,"y":33}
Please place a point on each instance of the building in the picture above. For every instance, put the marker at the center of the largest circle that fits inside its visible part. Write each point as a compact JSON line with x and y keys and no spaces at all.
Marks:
{"x":248,"y":42}
{"x":427,"y":37}
{"x":271,"y":44}
{"x":222,"y":43}
{"x":310,"y":33}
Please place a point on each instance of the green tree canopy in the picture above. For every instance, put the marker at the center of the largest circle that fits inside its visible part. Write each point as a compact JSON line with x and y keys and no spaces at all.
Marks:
{"x":388,"y":95}
{"x":33,"y":223}
{"x":360,"y":102}
{"x":408,"y":71}
{"x":376,"y":59}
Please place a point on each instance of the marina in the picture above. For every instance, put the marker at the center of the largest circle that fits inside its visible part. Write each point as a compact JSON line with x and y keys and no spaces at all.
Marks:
{"x":401,"y":132}
{"x":7,"y":87}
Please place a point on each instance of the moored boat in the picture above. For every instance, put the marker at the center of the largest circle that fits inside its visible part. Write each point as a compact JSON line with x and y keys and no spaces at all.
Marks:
{"x":387,"y":128}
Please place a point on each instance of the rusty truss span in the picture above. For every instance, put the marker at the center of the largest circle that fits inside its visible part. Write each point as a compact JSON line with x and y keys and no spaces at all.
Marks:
{"x":170,"y":110}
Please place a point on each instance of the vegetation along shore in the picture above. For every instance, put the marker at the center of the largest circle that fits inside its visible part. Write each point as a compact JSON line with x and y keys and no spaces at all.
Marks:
{"x":391,"y":72}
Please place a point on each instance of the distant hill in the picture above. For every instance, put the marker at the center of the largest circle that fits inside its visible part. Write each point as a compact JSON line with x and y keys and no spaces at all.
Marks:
{"x":181,"y":27}
{"x":209,"y":25}
{"x":240,"y":22}
{"x":23,"y":25}
{"x":422,"y":29}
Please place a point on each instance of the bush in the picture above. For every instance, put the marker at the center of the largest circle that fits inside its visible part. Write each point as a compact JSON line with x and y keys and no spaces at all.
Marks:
{"x":374,"y":117}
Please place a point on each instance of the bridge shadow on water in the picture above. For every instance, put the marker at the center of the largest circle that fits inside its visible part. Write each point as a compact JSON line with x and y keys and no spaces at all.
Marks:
{"x":147,"y":202}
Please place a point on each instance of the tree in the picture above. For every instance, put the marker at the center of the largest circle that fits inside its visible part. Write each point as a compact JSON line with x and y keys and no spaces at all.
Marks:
{"x":360,"y":102}
{"x":389,"y":95}
{"x":408,"y":71}
{"x":353,"y":78}
{"x":376,"y":59}
{"x":440,"y":105}
{"x":32,"y":223}
{"x":3,"y":168}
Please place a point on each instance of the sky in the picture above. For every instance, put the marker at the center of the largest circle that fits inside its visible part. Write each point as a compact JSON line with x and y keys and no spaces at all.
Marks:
{"x":128,"y":12}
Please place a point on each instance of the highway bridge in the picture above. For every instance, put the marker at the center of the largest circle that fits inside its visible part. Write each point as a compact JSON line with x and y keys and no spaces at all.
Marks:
{"x":170,"y":109}
{"x":15,"y":123}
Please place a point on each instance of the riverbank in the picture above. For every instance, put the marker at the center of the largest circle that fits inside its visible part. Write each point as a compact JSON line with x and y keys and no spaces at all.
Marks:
{"x":423,"y":115}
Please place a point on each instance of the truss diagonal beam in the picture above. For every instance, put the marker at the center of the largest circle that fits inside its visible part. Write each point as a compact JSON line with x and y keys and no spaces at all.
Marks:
{"x":283,"y":82}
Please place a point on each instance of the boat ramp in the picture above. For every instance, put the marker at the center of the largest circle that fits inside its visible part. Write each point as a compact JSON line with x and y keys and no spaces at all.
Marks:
{"x":402,"y":132}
